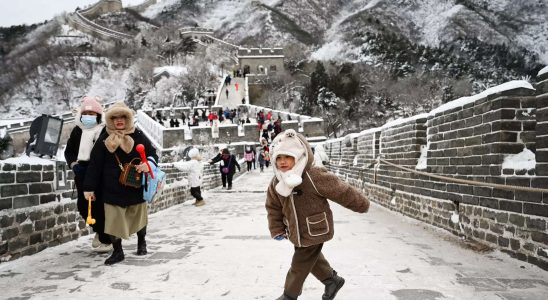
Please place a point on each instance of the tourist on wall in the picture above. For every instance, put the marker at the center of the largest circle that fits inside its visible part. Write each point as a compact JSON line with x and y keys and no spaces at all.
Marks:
{"x":195,"y":170}
{"x":125,"y":208}
{"x":227,"y":167}
{"x":89,"y":126}
{"x":298,"y":210}
{"x":249,"y":157}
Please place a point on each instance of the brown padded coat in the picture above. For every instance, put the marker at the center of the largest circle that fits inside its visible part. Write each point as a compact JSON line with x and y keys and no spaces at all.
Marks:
{"x":305,"y":216}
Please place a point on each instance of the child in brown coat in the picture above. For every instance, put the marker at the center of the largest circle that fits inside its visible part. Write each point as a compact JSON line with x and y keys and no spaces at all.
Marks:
{"x":297,"y":209}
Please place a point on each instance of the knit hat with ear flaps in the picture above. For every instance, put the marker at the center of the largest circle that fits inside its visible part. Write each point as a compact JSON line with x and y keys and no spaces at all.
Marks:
{"x":91,"y":104}
{"x":288,"y":143}
{"x":119,"y":137}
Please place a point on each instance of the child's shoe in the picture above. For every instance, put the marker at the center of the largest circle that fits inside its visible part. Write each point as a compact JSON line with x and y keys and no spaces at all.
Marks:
{"x":332,"y":286}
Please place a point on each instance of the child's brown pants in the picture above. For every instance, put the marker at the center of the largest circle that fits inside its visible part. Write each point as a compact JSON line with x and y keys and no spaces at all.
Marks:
{"x":306,"y":260}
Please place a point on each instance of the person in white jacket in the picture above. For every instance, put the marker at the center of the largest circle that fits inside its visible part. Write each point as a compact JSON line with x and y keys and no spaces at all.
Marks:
{"x":195,"y":170}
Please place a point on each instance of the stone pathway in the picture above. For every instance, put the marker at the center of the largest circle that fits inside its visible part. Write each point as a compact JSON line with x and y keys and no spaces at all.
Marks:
{"x":223,"y":251}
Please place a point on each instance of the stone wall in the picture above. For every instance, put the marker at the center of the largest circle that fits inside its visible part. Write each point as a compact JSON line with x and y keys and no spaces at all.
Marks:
{"x":467,"y":142}
{"x":38,"y":207}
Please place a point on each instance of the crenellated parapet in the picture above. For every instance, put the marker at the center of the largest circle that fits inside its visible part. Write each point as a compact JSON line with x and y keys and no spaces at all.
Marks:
{"x":475,"y":166}
{"x":167,"y":138}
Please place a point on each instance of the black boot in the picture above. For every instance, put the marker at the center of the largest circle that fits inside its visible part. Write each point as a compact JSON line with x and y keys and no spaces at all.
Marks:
{"x":141,"y":242}
{"x":332,"y":286}
{"x":117,"y":255}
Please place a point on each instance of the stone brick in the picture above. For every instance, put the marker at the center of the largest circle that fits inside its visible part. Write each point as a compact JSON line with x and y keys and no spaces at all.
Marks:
{"x":23,"y":167}
{"x":25,"y":201}
{"x":535,"y":209}
{"x":9,"y":167}
{"x":511,"y":206}
{"x":503,"y":242}
{"x":502,"y":217}
{"x":61,"y":220}
{"x":17,"y":243}
{"x":517,"y":220}
{"x":26,"y":228}
{"x":491,"y":238}
{"x":35,"y":215}
{"x":47,"y":198}
{"x":40,"y":188}
{"x":6,"y":203}
{"x":29,"y":251}
{"x":14,"y":190}
{"x":36,"y":167}
{"x":21,"y":217}
{"x":39,"y":225}
{"x":489,"y":202}
{"x":50,"y":222}
{"x":6,"y":221}
{"x":529,"y":196}
{"x":7,"y":177}
{"x":538,"y":224}
{"x":540,"y":237}
{"x":515,"y":244}
{"x":24,"y":177}
{"x":48,"y":176}
{"x":9,"y":233}
{"x":35,"y":238}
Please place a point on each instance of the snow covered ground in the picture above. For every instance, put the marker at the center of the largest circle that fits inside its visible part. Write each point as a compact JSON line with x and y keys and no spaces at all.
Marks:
{"x":223,"y":251}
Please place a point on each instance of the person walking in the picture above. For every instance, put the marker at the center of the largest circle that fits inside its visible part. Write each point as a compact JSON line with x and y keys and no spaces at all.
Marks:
{"x":125,"y":208}
{"x":228,"y":166}
{"x":320,"y":157}
{"x":249,"y":157}
{"x":195,"y":170}
{"x":89,"y":126}
{"x":226,"y":92}
{"x":298,"y":210}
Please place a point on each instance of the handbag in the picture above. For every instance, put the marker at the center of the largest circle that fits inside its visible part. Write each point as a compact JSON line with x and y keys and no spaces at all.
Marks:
{"x":129,"y":176}
{"x":226,"y":169}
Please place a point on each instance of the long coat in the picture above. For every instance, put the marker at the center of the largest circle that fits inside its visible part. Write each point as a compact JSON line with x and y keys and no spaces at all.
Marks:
{"x":103,"y":171}
{"x":231,"y":162}
{"x":305,"y":216}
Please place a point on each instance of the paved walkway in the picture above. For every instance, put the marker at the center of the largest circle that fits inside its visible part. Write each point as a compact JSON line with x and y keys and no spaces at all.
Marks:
{"x":234,"y":96}
{"x":223,"y":251}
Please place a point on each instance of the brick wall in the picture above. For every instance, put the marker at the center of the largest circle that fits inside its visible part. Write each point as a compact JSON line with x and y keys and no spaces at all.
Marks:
{"x":469,"y":142}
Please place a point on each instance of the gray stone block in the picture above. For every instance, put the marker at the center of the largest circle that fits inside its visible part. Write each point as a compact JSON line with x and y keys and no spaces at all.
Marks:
{"x":7,"y":177}
{"x":6,"y":203}
{"x":25,"y":201}
{"x":14,"y":190}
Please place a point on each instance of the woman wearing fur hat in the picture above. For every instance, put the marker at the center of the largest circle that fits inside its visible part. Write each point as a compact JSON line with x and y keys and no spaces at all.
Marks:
{"x":228,"y":166}
{"x":297,"y":209}
{"x":125,"y":208}
{"x":195,"y":170}
{"x":89,"y":125}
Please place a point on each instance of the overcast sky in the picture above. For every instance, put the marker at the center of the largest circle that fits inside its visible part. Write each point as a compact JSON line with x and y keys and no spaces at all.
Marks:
{"x":17,"y":12}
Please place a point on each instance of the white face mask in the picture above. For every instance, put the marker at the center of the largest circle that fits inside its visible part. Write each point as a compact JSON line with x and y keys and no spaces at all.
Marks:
{"x":89,"y":121}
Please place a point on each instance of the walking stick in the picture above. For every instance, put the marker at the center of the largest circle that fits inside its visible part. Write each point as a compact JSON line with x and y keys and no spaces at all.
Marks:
{"x":90,"y":220}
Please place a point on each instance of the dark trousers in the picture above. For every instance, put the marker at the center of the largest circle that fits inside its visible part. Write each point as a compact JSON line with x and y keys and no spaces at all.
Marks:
{"x":249,"y":163}
{"x":306,"y":260}
{"x":97,"y":207}
{"x":196,"y":193}
{"x":227,"y":178}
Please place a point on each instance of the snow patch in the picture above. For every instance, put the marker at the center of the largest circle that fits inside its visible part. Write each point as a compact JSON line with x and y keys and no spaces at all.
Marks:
{"x":455,"y":218}
{"x":422,"y":163}
{"x":514,"y":84}
{"x":172,"y":70}
{"x":24,"y":159}
{"x":523,"y":160}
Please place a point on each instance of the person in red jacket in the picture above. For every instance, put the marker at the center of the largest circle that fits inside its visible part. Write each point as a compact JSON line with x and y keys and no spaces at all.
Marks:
{"x":297,"y":210}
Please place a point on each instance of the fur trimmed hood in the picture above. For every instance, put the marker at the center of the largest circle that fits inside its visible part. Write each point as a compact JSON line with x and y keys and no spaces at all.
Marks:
{"x":292,"y":144}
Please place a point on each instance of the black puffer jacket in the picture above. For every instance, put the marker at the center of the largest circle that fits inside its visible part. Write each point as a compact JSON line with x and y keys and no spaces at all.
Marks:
{"x":103,"y":171}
